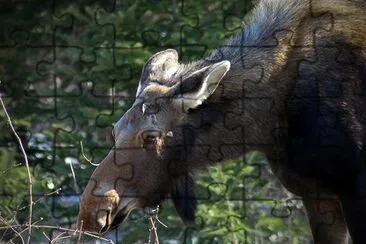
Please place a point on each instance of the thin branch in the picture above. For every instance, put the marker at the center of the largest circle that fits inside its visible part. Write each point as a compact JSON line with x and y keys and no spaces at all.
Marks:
{"x":27,"y":226}
{"x":46,"y":236}
{"x":153,"y":237}
{"x":58,"y":237}
{"x":82,"y":153}
{"x":6,"y":170}
{"x":74,"y":178}
{"x":28,"y":169}
{"x":57,"y":191}
{"x":160,"y":222}
{"x":153,"y":214}
{"x":61,"y":238}
{"x":8,"y":226}
{"x":81,"y":227}
{"x":61,"y":229}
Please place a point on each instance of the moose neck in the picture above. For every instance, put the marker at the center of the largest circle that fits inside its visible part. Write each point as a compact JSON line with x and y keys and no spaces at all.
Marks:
{"x":246,"y":110}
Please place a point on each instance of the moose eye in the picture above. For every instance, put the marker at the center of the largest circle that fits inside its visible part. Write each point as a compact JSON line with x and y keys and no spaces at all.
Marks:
{"x":149,"y":137}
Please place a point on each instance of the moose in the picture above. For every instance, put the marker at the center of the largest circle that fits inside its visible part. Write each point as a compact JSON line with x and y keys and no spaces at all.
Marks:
{"x":291,"y":84}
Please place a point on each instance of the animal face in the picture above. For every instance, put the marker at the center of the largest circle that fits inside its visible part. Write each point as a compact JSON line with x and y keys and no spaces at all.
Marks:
{"x":142,"y":169}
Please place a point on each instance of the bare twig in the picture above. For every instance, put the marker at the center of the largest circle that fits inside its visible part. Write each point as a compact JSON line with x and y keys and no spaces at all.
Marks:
{"x":153,"y":217}
{"x":27,"y":226}
{"x":82,"y":153}
{"x":6,"y":170}
{"x":81,"y":228}
{"x":28,"y":169}
{"x":45,"y":235}
{"x":58,"y":237}
{"x":153,"y":236}
{"x":57,"y":191}
{"x":77,"y":190}
{"x":10,"y":223}
{"x":160,"y":222}
{"x":8,"y":226}
{"x":61,"y":238}
{"x":60,"y":229}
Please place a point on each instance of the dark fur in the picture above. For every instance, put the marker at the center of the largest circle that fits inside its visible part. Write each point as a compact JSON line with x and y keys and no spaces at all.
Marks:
{"x":306,"y":109}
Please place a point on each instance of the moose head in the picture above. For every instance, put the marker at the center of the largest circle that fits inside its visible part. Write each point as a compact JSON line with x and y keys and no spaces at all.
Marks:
{"x":149,"y":160}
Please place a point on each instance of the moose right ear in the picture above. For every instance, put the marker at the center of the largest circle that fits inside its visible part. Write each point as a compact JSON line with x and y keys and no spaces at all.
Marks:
{"x":160,"y":66}
{"x":200,"y":85}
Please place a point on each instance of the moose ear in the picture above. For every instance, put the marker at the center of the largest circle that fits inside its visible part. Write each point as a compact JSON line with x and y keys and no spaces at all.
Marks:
{"x":200,"y":85}
{"x":160,"y":66}
{"x":184,"y":200}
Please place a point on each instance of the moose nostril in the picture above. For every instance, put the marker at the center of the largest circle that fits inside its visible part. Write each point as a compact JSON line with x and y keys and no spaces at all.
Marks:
{"x":151,"y":134}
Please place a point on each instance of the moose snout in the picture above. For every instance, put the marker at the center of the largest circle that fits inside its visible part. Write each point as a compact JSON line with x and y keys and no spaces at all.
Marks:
{"x":96,"y":211}
{"x":103,"y":220}
{"x":97,"y":221}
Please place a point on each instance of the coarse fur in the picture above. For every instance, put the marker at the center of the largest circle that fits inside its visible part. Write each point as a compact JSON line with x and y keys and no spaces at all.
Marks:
{"x":291,"y":83}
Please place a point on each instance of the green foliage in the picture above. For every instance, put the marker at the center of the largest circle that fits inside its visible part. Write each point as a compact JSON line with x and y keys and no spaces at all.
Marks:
{"x":239,"y":209}
{"x":15,"y":178}
{"x":69,"y":70}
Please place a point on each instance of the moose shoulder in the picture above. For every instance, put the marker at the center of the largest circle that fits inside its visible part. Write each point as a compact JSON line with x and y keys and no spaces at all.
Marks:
{"x":294,"y":78}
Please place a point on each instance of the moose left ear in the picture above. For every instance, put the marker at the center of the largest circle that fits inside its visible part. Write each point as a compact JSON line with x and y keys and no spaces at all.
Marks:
{"x":184,"y":200}
{"x":159,"y":67}
{"x":200,"y":85}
